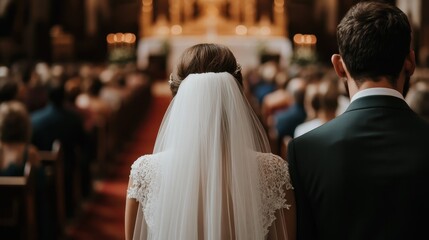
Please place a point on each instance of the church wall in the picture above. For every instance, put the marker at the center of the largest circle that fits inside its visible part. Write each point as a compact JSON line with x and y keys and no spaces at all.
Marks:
{"x":125,"y":16}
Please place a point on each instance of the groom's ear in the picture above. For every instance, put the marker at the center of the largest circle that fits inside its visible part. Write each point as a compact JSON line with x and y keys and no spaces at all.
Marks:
{"x":410,"y":63}
{"x":339,"y":66}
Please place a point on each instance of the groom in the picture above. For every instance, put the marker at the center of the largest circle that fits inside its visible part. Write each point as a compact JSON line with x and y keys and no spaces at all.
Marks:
{"x":365,"y":174}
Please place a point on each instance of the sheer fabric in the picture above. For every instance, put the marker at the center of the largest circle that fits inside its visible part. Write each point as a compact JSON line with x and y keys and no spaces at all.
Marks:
{"x":210,"y":176}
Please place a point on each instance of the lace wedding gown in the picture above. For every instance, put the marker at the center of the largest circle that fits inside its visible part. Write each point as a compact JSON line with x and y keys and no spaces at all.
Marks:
{"x":274,"y":180}
{"x":211,"y":175}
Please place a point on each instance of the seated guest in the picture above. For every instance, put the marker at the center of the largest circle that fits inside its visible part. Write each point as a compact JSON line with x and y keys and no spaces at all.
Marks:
{"x":90,"y":101}
{"x":265,"y":84}
{"x":273,"y":102}
{"x":8,"y":89}
{"x":16,"y":154}
{"x":72,"y":91}
{"x":324,"y":103}
{"x":15,"y":148}
{"x":34,"y":93}
{"x":57,"y":122}
{"x":98,"y":112}
{"x":286,"y":121}
{"x":281,"y":99}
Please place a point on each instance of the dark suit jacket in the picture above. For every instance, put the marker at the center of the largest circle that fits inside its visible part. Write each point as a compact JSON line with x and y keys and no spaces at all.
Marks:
{"x":363,"y":175}
{"x":56,"y":123}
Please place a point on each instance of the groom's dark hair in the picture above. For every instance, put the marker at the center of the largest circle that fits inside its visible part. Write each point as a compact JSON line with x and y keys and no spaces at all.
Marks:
{"x":374,"y":39}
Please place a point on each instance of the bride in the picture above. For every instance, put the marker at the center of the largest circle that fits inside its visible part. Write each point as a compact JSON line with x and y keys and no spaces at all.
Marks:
{"x":211,"y":175}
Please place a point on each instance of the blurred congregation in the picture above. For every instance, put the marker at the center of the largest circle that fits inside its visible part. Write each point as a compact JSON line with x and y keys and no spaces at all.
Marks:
{"x":77,"y":80}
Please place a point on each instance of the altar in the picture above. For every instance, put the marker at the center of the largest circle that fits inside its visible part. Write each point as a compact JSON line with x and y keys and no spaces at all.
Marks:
{"x":247,"y":50}
{"x":246,"y":27}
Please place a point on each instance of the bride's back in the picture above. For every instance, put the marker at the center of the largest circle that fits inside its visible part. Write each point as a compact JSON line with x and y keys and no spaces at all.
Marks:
{"x":210,"y":176}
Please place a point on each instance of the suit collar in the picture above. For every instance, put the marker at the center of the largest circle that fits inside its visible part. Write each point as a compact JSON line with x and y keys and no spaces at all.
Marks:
{"x":377,"y":91}
{"x":378,"y":101}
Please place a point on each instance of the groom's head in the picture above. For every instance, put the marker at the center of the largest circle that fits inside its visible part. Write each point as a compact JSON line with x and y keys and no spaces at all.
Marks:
{"x":374,"y":40}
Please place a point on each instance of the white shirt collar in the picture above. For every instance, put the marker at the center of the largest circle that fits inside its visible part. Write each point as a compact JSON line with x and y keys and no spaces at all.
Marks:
{"x":377,"y":91}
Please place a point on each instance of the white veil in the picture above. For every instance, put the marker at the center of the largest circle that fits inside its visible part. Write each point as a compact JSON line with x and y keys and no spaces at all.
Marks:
{"x":207,"y":185}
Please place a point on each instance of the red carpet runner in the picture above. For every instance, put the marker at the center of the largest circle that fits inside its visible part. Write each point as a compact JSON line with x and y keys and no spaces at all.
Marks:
{"x":103,"y":216}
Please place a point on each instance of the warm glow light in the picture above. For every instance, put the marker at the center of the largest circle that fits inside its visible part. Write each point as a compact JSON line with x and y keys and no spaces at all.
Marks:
{"x":110,"y":38}
{"x":128,"y":37}
{"x":56,"y":31}
{"x":297,"y":38}
{"x":306,"y":39}
{"x":119,"y":37}
{"x":313,"y":39}
{"x":113,"y":38}
{"x":176,"y":29}
{"x":241,"y":30}
{"x":133,"y":38}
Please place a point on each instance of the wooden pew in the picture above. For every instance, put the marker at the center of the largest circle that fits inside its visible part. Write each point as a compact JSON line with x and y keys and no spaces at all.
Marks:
{"x":101,"y":138}
{"x":53,"y":166}
{"x":57,"y":176}
{"x":17,"y":206}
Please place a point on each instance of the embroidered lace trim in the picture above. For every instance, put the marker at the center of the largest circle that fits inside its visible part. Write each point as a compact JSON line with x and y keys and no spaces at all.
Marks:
{"x":274,"y":177}
{"x":144,"y":178}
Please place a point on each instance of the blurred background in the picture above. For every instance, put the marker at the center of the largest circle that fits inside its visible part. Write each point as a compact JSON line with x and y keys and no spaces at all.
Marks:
{"x":87,"y":81}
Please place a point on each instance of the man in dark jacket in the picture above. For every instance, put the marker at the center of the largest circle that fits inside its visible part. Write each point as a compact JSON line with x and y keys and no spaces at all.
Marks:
{"x":364,"y":174}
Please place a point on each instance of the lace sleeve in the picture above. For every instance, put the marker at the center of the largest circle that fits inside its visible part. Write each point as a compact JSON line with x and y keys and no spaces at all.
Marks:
{"x":139,"y":176}
{"x":275,"y":180}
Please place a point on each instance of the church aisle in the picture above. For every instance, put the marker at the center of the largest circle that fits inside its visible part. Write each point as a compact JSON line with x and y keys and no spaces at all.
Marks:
{"x":103,"y":215}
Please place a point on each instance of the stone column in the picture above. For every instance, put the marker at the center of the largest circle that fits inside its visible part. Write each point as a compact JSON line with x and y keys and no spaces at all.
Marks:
{"x":175,"y":11}
{"x":146,"y":18}
{"x":235,"y":10}
{"x":249,"y":12}
{"x":279,"y":14}
{"x":188,"y":10}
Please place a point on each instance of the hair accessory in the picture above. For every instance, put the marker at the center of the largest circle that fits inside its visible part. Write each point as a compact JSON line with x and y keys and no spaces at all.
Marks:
{"x":238,"y":69}
{"x":170,"y":81}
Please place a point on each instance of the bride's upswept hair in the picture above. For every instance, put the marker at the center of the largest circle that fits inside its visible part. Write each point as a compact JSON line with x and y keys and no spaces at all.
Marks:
{"x":203,"y":58}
